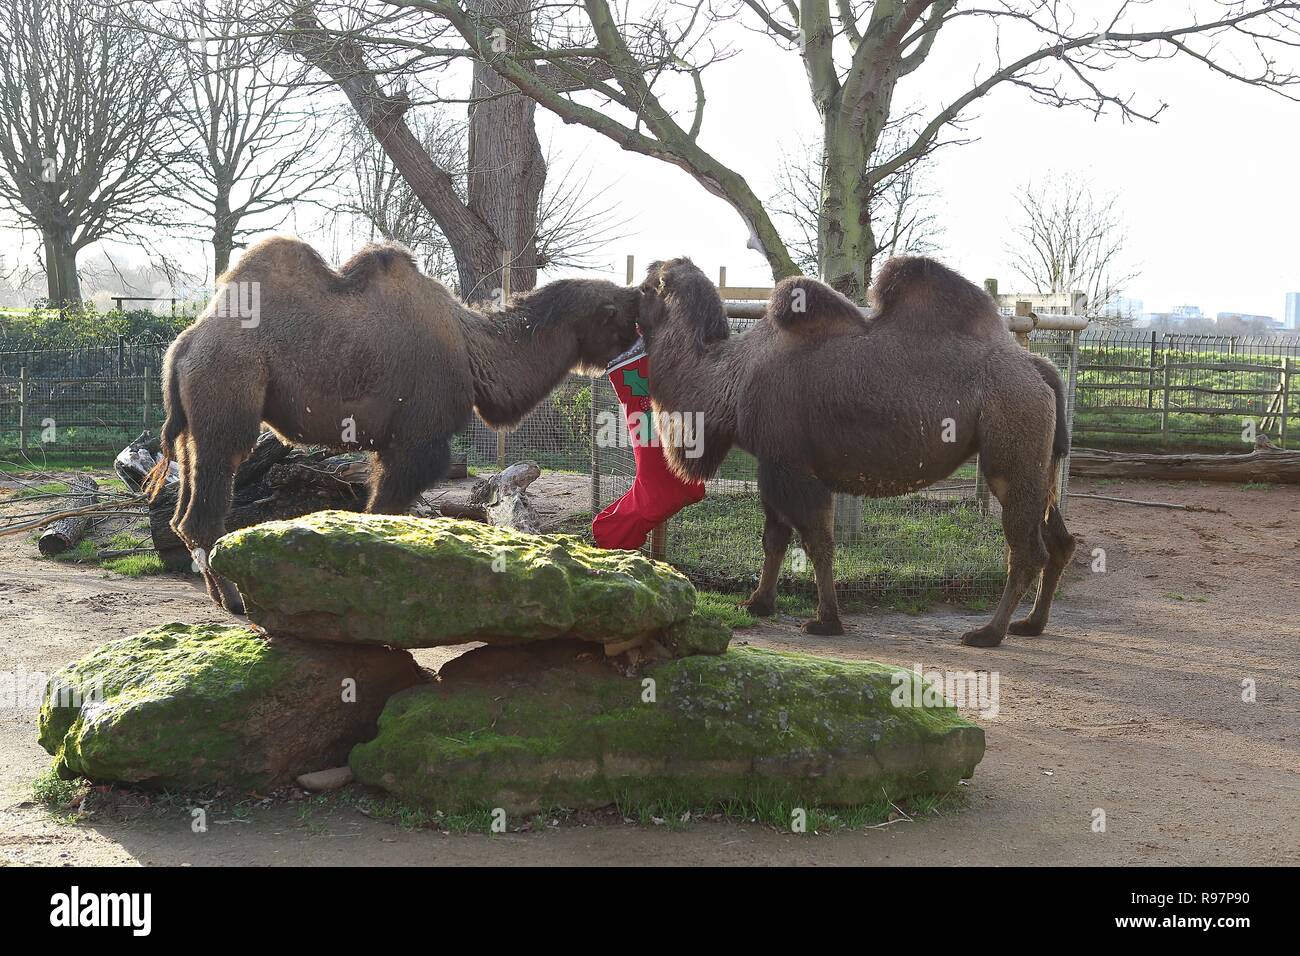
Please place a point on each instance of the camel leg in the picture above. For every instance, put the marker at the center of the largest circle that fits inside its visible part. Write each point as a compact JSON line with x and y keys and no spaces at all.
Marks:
{"x":1060,"y":549}
{"x":1022,"y":510}
{"x":805,"y":503}
{"x":212,"y":460}
{"x":403,"y":471}
{"x":776,"y":540}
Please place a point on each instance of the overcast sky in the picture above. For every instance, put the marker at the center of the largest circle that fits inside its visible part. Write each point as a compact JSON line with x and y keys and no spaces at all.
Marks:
{"x":1209,"y":194}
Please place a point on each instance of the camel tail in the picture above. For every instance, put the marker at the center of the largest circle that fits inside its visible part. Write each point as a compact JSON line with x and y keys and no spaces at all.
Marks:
{"x":174,"y":426}
{"x":803,"y":305}
{"x":1061,"y":437}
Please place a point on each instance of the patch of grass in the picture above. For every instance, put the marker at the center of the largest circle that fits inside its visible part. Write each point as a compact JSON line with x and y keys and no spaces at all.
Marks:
{"x":724,"y":608}
{"x":1258,"y":486}
{"x":910,"y":553}
{"x":47,"y":488}
{"x":130,"y":565}
{"x":58,"y":796}
{"x":97,"y":461}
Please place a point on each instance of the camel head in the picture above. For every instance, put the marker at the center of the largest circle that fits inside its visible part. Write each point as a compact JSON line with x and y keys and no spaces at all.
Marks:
{"x":677,"y":295}
{"x":600,"y":316}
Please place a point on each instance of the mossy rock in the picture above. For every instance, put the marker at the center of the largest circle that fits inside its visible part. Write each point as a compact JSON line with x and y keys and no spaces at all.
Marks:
{"x":745,"y":725}
{"x":426,"y":582}
{"x":192,"y":706}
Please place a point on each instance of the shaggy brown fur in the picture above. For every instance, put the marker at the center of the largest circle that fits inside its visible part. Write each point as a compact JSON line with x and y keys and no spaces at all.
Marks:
{"x":827,"y":401}
{"x":374,"y":357}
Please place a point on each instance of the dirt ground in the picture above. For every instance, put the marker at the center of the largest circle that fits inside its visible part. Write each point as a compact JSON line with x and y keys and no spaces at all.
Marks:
{"x":1131,"y":704}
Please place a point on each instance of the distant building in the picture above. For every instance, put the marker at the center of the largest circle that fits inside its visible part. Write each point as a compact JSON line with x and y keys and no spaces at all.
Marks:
{"x":1237,"y":322}
{"x":1122,"y":306}
{"x":1293,"y":311}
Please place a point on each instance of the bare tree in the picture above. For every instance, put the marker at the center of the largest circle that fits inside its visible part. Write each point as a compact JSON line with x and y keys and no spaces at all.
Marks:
{"x":377,"y":197}
{"x":82,"y":99}
{"x":251,"y":144}
{"x":620,"y":72}
{"x":903,"y":217}
{"x":1066,"y":240}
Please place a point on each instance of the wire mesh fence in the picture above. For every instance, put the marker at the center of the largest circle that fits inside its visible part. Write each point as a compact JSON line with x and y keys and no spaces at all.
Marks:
{"x":1162,"y":390}
{"x":91,"y":399}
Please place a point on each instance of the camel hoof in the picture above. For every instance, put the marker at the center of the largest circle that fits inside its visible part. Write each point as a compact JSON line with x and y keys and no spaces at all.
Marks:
{"x":827,"y":627}
{"x":1025,"y":628}
{"x":982,"y":637}
{"x":759,"y":608}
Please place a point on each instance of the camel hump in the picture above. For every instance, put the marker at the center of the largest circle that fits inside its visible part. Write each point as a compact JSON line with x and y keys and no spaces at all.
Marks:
{"x":919,"y":288}
{"x":372,"y":262}
{"x":805,"y":306}
{"x":288,"y":255}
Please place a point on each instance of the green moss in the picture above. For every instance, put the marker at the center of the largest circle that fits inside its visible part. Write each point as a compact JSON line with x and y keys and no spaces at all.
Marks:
{"x":745,"y":725}
{"x":158,"y":707}
{"x":418,"y":582}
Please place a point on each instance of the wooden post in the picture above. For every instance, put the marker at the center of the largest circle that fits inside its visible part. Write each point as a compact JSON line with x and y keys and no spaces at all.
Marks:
{"x":1024,"y":310}
{"x":631,"y":269}
{"x":22,"y":410}
{"x":982,"y":493}
{"x":1164,"y":407}
{"x":659,"y":542}
{"x":595,"y":448}
{"x":722,"y":276}
{"x":505,"y":297}
{"x":148,"y":377}
{"x":1071,"y":391}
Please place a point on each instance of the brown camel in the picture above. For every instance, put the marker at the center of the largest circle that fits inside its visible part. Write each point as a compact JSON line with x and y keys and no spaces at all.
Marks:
{"x":828,"y":400}
{"x":374,"y":357}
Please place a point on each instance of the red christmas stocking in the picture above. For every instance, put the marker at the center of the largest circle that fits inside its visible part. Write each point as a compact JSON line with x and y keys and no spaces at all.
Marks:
{"x":656,"y":493}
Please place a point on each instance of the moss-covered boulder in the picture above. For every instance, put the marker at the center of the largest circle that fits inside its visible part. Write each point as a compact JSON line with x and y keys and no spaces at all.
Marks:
{"x":747,"y":724}
{"x":425,"y":582}
{"x":191,"y":706}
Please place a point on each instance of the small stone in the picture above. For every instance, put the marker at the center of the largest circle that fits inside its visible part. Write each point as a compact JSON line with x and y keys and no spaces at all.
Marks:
{"x":323,"y":780}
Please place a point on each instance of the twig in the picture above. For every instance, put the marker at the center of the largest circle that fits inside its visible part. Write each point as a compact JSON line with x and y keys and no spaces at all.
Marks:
{"x":1147,"y":504}
{"x":72,"y":513}
{"x":123,"y":552}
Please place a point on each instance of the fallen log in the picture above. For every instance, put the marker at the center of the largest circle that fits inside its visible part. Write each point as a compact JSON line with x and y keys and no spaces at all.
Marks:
{"x":65,"y":533}
{"x":1266,"y":463}
{"x":275,"y":481}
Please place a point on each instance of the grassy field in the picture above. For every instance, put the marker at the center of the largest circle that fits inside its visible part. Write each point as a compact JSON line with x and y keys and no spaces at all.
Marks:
{"x":1121,"y":408}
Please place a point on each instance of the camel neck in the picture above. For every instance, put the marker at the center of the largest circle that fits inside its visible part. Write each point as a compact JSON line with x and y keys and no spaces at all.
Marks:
{"x":697,"y":379}
{"x":516,"y":360}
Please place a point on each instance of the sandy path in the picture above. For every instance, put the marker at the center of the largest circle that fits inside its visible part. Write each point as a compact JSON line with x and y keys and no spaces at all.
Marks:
{"x":1132,"y":704}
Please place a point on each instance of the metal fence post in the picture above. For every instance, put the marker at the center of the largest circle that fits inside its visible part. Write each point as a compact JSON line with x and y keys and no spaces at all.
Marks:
{"x":22,"y":410}
{"x":148,"y":377}
{"x":1288,"y":366}
{"x":1151,"y":376}
{"x":1164,"y":407}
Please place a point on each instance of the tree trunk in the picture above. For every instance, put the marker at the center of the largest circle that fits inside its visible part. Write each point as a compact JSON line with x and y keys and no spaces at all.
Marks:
{"x":506,"y":167}
{"x":846,"y":243}
{"x":63,"y":287}
{"x":1264,"y":464}
{"x":473,"y":243}
{"x":223,"y":236}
